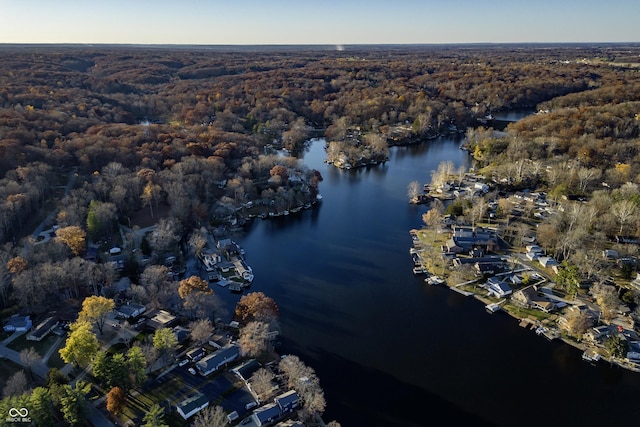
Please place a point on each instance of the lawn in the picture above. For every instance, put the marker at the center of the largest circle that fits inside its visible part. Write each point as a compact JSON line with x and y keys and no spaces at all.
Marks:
{"x":41,"y":347}
{"x":139,"y":405}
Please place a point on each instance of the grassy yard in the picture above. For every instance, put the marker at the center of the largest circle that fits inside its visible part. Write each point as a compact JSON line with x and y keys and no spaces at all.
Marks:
{"x":41,"y":347}
{"x":139,"y":405}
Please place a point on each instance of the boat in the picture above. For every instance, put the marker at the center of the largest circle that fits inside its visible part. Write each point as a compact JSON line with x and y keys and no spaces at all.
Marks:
{"x":319,"y":197}
{"x":235,"y":287}
{"x":419,"y":270}
{"x":434,"y":280}
{"x":492,"y":308}
{"x":591,"y":356}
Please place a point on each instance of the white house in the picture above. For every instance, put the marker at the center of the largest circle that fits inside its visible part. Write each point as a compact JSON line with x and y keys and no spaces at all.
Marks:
{"x":192,"y":405}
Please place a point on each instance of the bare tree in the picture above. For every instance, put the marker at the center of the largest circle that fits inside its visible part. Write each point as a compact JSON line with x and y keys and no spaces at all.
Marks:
{"x":29,"y":357}
{"x":262,"y":383}
{"x":607,"y":298}
{"x":413,"y":190}
{"x":623,"y":211}
{"x":578,"y":322}
{"x":16,"y":385}
{"x":254,"y":339}
{"x":211,"y":416}
{"x":201,"y":330}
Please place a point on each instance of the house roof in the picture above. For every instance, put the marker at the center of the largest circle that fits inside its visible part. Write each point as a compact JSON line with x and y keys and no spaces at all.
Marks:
{"x":45,"y":326}
{"x":131,"y":309}
{"x":247,"y":369}
{"x":161,"y":319}
{"x":19,"y":321}
{"x":192,"y":403}
{"x":286,"y":399}
{"x":214,"y":360}
{"x":267,"y":412}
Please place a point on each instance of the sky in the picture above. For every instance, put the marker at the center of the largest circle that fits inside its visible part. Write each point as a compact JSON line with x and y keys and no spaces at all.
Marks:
{"x":251,"y":22}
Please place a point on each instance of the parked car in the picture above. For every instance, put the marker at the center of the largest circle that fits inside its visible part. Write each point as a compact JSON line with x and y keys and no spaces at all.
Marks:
{"x":183,"y":362}
{"x":192,"y":371}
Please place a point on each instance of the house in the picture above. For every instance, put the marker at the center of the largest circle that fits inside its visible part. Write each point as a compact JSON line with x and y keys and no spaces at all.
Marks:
{"x":532,"y":255}
{"x":181,"y":332}
{"x":246,"y":370}
{"x":469,"y":237}
{"x":266,"y":414}
{"x":485,"y":267}
{"x":498,"y":288}
{"x":528,"y":298}
{"x":215,"y":360}
{"x":18,"y":324}
{"x":160,"y":319}
{"x":452,"y":247}
{"x":610,"y":254}
{"x":287,"y":401}
{"x":131,"y":310}
{"x":636,"y":282}
{"x":43,"y":329}
{"x":192,"y":405}
{"x":599,"y":332}
{"x":196,"y":354}
{"x":534,"y":248}
{"x":547,"y":262}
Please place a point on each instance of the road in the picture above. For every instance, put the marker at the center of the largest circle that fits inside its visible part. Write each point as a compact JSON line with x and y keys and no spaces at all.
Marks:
{"x":49,"y":219}
{"x":94,"y":415}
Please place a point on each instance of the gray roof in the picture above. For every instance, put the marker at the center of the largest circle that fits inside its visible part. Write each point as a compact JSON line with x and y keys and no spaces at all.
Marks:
{"x":267,"y":413}
{"x":193,"y":402}
{"x":220,"y":357}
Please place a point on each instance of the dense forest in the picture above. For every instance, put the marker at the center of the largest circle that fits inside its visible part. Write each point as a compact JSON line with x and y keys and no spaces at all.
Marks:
{"x":190,"y":135}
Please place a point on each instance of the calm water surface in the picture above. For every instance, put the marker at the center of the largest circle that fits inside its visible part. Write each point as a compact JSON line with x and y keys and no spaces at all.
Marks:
{"x":392,"y":351}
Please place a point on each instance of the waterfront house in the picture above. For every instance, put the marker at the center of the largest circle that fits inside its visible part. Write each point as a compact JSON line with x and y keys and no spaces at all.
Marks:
{"x":599,"y":332}
{"x":215,"y":360}
{"x":287,"y":401}
{"x":191,"y":406}
{"x":473,"y":237}
{"x":18,"y":324}
{"x":43,"y":329}
{"x":529,"y":298}
{"x":498,"y":288}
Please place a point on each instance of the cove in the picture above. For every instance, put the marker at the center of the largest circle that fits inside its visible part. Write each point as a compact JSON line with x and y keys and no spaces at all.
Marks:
{"x":389,"y":349}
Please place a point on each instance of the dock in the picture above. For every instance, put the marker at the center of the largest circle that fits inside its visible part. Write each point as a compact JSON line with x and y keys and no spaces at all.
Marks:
{"x":461,"y":292}
{"x":492,"y":308}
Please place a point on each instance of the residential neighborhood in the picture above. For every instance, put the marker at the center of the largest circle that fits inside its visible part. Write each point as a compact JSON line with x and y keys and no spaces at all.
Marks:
{"x":492,"y":253}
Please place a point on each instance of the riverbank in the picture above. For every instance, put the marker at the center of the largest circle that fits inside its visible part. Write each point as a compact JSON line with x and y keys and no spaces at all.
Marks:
{"x":504,"y":279}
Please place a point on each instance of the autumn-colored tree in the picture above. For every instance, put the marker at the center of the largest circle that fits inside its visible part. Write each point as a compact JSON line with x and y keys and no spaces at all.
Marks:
{"x":256,"y":306}
{"x":116,"y":399}
{"x":17,"y":265}
{"x":74,"y":237}
{"x":254,"y":339}
{"x":193,"y":284}
{"x":95,"y":310}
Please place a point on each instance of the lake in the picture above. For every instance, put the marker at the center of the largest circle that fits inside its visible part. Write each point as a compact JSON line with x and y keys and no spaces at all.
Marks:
{"x":393,"y":351}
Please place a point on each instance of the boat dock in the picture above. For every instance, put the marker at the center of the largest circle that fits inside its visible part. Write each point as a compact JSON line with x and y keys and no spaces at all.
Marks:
{"x":461,"y":292}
